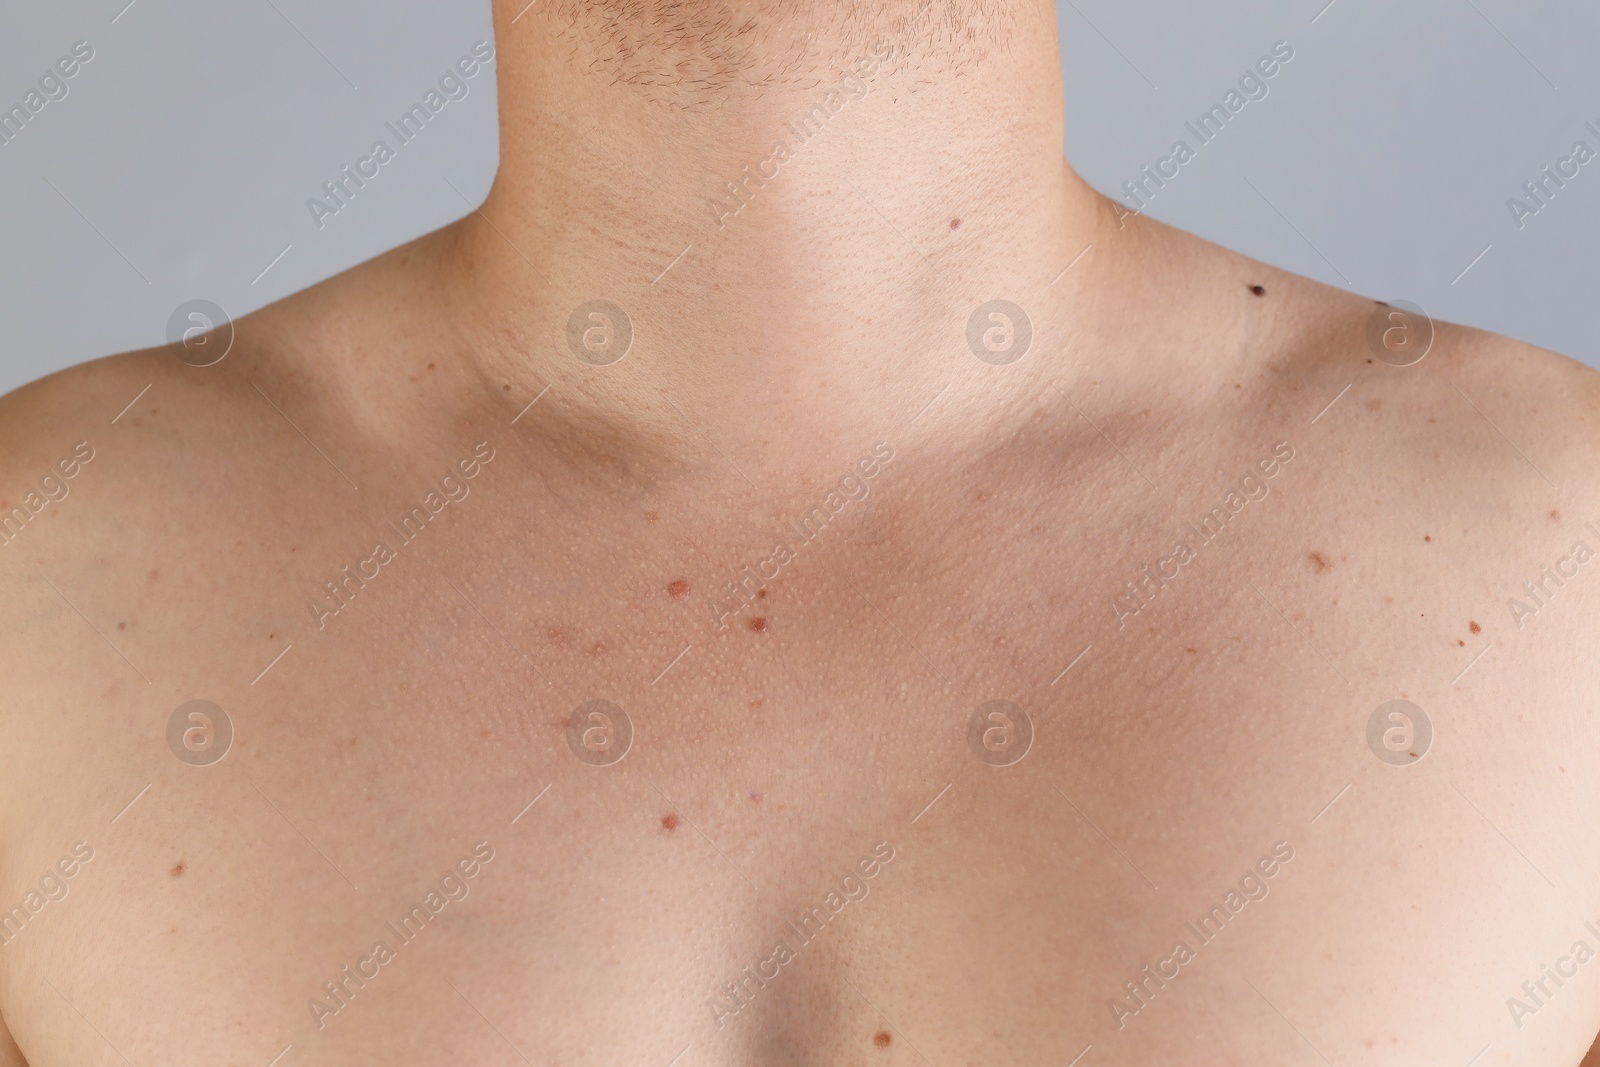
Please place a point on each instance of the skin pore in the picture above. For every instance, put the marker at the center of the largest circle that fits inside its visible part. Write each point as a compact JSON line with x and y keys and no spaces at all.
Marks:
{"x":793,"y":211}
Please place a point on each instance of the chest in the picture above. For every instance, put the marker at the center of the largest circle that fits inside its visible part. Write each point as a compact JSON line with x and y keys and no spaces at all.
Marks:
{"x":997,"y":808}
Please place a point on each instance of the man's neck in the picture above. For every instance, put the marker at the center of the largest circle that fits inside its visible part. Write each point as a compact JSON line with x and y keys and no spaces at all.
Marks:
{"x":796,"y":234}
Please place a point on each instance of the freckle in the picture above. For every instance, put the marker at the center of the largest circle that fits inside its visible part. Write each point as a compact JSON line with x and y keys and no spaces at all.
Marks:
{"x":1427,"y":538}
{"x":1474,"y":627}
{"x":1258,"y":290}
{"x":761,"y":594}
{"x":758,"y":625}
{"x":649,"y":516}
{"x":955,"y":224}
{"x":754,"y":704}
{"x":353,"y":742}
{"x":679,"y":589}
{"x":882,"y":1039}
{"x":1319,"y":562}
{"x":507,"y":388}
{"x":1459,"y":642}
{"x":669,"y":822}
{"x":1374,"y":404}
{"x":1187,"y":649}
{"x":430,"y":366}
{"x":177,"y":869}
{"x":271,"y":636}
{"x":155,"y":575}
{"x":122,"y":626}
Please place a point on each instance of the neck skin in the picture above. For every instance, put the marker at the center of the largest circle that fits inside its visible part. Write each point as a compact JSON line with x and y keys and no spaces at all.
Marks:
{"x":824,"y":306}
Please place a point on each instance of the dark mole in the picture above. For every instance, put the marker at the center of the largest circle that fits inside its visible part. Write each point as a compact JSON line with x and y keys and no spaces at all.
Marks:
{"x":1425,"y":537}
{"x":679,"y":588}
{"x":954,"y":223}
{"x":1258,"y":290}
{"x":882,"y":1039}
{"x":669,"y":822}
{"x":758,"y":625}
{"x":761,"y":594}
{"x":1461,"y":643}
{"x":177,"y":869}
{"x":1319,"y":562}
{"x":1474,"y":627}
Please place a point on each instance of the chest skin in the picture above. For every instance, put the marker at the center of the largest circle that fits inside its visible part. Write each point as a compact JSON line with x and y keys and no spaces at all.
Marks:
{"x":418,"y":843}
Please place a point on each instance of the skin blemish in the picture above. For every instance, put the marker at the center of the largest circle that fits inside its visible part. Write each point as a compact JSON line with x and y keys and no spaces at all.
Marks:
{"x":1319,"y":563}
{"x":430,"y":366}
{"x":882,"y":1039}
{"x":507,"y":388}
{"x":122,"y":626}
{"x":1474,"y":627}
{"x":758,"y":625}
{"x":557,"y":636}
{"x":1555,"y":515}
{"x":761,"y":594}
{"x":669,"y":822}
{"x":1374,"y":404}
{"x":155,"y":575}
{"x":679,"y":589}
{"x":177,"y":869}
{"x":1259,"y":290}
{"x":1461,"y":643}
{"x":598,"y":649}
{"x":1427,"y":538}
{"x":755,"y":798}
{"x":649,"y":516}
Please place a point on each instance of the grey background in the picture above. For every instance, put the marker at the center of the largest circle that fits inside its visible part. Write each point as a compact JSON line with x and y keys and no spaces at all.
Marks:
{"x":179,"y":164}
